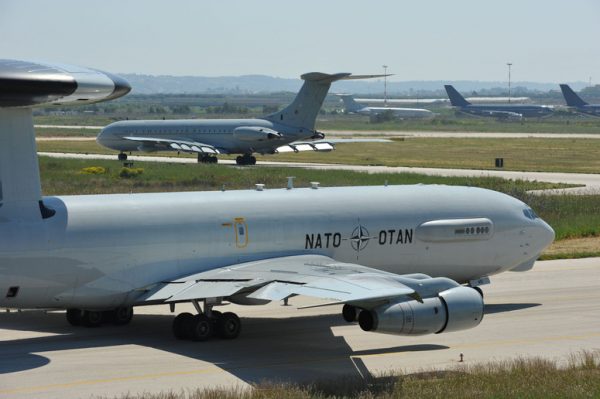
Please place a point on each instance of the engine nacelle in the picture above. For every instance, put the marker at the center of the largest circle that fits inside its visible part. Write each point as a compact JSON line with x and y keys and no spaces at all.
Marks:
{"x":455,"y":309}
{"x":255,"y":133}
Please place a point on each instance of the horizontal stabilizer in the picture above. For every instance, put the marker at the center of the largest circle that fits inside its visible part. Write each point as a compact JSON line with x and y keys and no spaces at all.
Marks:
{"x":329,"y":78}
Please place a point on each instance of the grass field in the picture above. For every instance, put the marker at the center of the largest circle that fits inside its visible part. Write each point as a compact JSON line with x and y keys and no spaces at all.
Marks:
{"x":528,"y":154}
{"x":59,"y":132}
{"x":520,"y":378}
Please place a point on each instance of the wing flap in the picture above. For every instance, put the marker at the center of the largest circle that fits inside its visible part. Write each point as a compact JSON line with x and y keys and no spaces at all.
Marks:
{"x":178,"y":145}
{"x":321,"y":146}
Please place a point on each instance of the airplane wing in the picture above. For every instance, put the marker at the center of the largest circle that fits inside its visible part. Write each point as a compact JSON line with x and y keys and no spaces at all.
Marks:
{"x":323,"y":145}
{"x":298,"y":146}
{"x":178,"y":145}
{"x":278,"y":278}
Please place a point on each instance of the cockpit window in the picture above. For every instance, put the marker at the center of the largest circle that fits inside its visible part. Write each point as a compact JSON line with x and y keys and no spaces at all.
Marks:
{"x":530,"y":214}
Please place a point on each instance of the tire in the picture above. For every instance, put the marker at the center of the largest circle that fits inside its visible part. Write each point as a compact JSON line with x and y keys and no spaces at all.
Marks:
{"x":181,"y":325}
{"x":122,"y":315}
{"x":202,"y":328}
{"x":92,"y":318}
{"x":122,"y":157}
{"x":239,"y":160}
{"x":252,"y":161}
{"x":74,"y":317}
{"x":229,"y":326}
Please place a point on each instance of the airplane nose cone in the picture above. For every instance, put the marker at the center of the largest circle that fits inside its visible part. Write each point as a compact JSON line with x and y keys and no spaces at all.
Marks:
{"x":546,"y":235}
{"x":550,"y":234}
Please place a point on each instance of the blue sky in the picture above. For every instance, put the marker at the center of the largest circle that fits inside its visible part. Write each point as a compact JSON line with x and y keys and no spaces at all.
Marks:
{"x":547,"y":41}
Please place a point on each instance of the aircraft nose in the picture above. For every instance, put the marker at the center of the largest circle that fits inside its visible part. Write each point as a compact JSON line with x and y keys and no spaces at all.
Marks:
{"x":105,"y":135}
{"x":545,"y":235}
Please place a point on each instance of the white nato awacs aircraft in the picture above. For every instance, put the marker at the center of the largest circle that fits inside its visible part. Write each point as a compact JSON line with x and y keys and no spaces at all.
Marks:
{"x":403,"y":260}
{"x":289,"y":130}
{"x":353,"y":107}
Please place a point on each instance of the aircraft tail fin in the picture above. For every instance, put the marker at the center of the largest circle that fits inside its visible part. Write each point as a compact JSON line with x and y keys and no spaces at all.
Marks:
{"x":572,"y":99}
{"x":456,"y":99}
{"x":350,"y":104}
{"x":303,"y":111}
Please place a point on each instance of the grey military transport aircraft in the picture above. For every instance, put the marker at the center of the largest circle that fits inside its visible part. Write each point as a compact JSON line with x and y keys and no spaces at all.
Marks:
{"x":289,"y":130}
{"x":403,"y":260}
{"x":500,"y":111}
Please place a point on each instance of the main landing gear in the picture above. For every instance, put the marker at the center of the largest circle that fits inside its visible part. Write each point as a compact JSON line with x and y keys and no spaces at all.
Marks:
{"x":95,"y":318}
{"x":246,"y":159}
{"x":122,"y":156}
{"x":205,"y":158}
{"x":207,"y":324}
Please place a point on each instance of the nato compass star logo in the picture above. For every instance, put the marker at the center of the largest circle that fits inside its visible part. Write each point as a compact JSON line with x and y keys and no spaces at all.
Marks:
{"x":360,"y":238}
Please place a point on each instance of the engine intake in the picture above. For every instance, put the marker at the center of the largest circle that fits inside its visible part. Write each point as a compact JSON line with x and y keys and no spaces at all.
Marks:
{"x":455,"y":309}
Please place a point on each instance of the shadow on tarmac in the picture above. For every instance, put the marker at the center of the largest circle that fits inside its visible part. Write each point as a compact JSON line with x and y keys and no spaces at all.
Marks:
{"x":290,"y":349}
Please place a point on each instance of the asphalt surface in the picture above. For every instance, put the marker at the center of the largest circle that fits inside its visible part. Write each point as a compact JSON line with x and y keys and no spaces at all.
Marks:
{"x":550,"y":312}
{"x":590,"y":182}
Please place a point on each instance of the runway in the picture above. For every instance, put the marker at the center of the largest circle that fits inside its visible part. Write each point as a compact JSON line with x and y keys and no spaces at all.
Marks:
{"x":551,"y":311}
{"x":590,"y":182}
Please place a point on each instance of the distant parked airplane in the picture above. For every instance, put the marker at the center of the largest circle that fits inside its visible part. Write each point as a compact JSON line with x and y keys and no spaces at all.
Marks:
{"x":289,"y":130}
{"x":351,"y":106}
{"x":501,"y":111}
{"x":575,"y":102}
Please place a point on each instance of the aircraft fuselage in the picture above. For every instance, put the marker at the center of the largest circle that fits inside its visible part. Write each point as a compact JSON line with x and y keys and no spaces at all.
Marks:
{"x":101,"y":251}
{"x":218,"y":133}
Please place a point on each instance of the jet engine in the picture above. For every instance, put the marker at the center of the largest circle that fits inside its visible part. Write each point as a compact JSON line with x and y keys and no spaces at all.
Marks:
{"x":455,"y":309}
{"x":255,"y":133}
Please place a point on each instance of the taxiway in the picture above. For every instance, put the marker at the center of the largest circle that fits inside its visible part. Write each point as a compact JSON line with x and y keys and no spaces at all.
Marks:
{"x":551,"y":312}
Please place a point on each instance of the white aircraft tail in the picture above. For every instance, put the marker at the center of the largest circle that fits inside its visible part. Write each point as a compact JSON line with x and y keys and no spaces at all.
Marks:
{"x":303,"y":111}
{"x":20,"y":191}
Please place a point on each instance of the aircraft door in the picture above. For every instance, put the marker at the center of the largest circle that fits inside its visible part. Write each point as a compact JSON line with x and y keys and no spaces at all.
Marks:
{"x":241,"y":232}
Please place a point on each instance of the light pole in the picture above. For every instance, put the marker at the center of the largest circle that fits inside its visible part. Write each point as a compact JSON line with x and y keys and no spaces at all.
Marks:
{"x":385,"y":85}
{"x":509,"y":64}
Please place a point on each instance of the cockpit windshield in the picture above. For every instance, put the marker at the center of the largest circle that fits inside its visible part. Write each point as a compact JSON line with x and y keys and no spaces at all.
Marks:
{"x":530,"y":214}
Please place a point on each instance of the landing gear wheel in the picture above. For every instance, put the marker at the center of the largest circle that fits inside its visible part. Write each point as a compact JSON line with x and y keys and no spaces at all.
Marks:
{"x":74,"y":317}
{"x":229,"y":325}
{"x":245,"y":159}
{"x":349,"y":313}
{"x":181,"y":324}
{"x":122,"y":156}
{"x":203,"y":158}
{"x":91,"y":318}
{"x":122,"y":315}
{"x":202,"y":328}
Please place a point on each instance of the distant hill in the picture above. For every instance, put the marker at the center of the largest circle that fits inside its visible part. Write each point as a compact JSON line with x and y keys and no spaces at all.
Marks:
{"x":248,"y":84}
